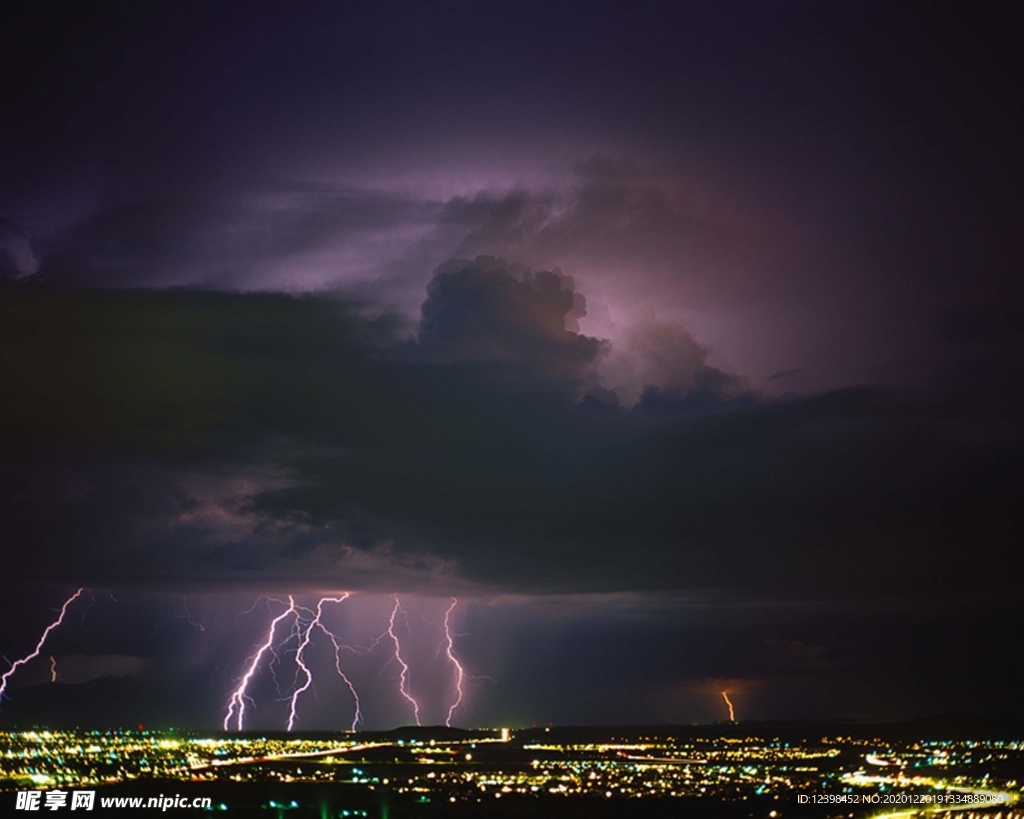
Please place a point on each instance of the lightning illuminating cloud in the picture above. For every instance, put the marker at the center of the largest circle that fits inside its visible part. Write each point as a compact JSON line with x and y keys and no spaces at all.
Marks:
{"x":39,"y":646}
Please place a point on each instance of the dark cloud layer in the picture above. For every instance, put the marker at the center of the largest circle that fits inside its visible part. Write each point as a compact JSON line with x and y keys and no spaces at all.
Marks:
{"x":482,"y":311}
{"x":242,"y":437}
{"x":227,"y":236}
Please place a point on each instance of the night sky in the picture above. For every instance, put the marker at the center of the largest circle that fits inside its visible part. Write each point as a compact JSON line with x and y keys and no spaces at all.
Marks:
{"x":681,"y":343}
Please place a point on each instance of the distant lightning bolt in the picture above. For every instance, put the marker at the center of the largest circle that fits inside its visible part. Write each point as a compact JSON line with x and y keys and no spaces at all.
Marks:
{"x":263,"y":599}
{"x":459,"y":673}
{"x":39,"y":646}
{"x":732,"y":713}
{"x":403,"y":685}
{"x":317,"y":622}
{"x":187,"y":617}
{"x":357,"y":717}
{"x":92,"y":602}
{"x":236,"y":704}
{"x":53,"y":669}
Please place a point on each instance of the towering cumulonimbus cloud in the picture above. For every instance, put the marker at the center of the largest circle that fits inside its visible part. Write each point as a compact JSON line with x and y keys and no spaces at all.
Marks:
{"x":491,"y":311}
{"x":487,"y":310}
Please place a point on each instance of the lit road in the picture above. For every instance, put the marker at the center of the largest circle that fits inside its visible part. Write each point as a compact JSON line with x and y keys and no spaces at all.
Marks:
{"x":250,"y":760}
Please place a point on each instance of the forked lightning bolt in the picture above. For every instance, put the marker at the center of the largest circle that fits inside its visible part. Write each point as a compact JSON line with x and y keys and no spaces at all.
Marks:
{"x":236,"y":704}
{"x":459,"y":673}
{"x":187,"y":617}
{"x":317,"y":622}
{"x":302,"y":668}
{"x":39,"y":646}
{"x":403,"y":684}
{"x":304,"y":621}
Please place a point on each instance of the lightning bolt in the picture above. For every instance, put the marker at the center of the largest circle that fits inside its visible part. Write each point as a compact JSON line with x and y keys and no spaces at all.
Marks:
{"x":39,"y":646}
{"x":732,"y":713}
{"x":357,"y":717}
{"x":236,"y":704}
{"x":262,"y":599}
{"x":403,"y":684}
{"x":92,"y":602}
{"x":459,"y":673}
{"x":317,"y":622}
{"x":294,"y":633}
{"x":53,"y":669}
{"x":187,"y":617}
{"x":302,"y":667}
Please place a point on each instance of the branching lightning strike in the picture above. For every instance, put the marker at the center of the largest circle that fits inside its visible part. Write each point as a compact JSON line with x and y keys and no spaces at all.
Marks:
{"x":317,"y":622}
{"x":303,"y":622}
{"x":300,"y":622}
{"x":449,"y":651}
{"x":236,"y":704}
{"x":403,"y":684}
{"x":39,"y":646}
{"x":187,"y":617}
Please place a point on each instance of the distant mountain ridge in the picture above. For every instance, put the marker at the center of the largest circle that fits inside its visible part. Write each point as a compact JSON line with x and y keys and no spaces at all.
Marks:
{"x":103,"y":702}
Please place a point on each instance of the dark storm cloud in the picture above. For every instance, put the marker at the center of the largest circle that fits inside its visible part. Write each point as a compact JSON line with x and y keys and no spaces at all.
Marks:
{"x":607,"y":218}
{"x":783,"y":374}
{"x":17,"y":258}
{"x":483,"y":311}
{"x":604,"y":217}
{"x":253,"y":437}
{"x":637,"y":242}
{"x":987,"y":330}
